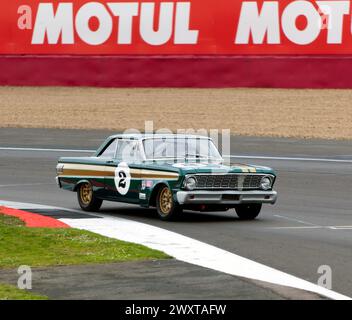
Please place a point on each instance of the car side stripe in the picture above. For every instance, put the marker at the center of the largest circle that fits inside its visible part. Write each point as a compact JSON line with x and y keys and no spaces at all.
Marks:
{"x":83,"y":170}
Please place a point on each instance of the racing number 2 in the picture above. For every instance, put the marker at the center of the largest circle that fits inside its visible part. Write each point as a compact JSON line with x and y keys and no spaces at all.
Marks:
{"x":122,"y":182}
{"x":122,"y":178}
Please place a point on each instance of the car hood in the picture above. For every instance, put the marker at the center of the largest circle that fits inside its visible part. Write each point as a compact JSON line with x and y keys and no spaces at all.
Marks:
{"x":213,"y":167}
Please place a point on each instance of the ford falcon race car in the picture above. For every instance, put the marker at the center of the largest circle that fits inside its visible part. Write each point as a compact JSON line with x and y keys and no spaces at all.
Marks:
{"x":168,"y":172}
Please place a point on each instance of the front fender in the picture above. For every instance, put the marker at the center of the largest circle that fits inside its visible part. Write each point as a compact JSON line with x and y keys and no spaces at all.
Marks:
{"x":80,"y":182}
{"x":151,"y":193}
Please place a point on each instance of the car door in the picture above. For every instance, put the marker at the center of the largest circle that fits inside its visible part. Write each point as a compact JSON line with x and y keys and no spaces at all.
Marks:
{"x":122,"y":174}
{"x":103,"y":170}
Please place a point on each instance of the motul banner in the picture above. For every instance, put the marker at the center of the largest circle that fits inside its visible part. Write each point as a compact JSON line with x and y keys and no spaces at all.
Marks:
{"x":207,"y":27}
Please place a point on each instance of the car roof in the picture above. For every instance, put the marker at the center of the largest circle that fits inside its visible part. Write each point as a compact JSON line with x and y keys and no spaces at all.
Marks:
{"x":142,"y":136}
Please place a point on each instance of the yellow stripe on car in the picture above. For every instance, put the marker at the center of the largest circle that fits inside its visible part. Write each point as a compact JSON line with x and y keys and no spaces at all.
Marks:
{"x":83,"y":170}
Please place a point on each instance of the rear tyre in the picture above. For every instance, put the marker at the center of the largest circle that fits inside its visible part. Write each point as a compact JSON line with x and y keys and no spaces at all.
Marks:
{"x":87,"y":199}
{"x":166,"y":207}
{"x":248,"y":211}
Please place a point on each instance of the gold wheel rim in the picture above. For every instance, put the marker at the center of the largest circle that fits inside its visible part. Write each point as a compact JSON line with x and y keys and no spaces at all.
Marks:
{"x":165,"y":201}
{"x":86,"y":193}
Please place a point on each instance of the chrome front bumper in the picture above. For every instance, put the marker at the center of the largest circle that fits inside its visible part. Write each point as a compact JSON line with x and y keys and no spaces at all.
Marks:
{"x":58,"y":181}
{"x":225,"y":197}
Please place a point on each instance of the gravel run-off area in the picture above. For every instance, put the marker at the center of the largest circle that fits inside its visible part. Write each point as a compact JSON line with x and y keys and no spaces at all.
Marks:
{"x":300,"y":113}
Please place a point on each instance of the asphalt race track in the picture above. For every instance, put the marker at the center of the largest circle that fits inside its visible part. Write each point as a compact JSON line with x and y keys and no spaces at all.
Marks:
{"x":310,"y":226}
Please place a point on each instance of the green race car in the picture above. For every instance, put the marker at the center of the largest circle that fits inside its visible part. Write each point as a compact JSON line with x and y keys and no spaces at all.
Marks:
{"x":169,"y":172}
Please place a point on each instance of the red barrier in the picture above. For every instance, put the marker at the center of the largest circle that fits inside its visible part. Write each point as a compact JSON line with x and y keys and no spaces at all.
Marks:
{"x":178,"y":71}
{"x":153,"y":27}
{"x":176,"y":43}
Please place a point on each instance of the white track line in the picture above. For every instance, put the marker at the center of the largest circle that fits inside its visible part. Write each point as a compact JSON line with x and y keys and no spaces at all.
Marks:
{"x":296,"y":220}
{"x":290,"y":158}
{"x":314,"y":227}
{"x":46,"y":150}
{"x":26,"y":184}
{"x":225,"y":156}
{"x":341,"y":227}
{"x":185,"y":249}
{"x":309,"y":225}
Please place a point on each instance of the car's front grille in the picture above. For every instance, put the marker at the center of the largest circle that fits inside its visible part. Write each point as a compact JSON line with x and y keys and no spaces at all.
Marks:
{"x":229,"y":181}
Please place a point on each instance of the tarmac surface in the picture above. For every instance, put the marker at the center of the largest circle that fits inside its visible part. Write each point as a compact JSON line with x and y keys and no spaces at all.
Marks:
{"x":310,"y":226}
{"x":160,"y":279}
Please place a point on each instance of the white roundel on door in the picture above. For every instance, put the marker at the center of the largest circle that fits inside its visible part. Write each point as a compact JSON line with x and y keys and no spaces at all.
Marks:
{"x":122,"y":178}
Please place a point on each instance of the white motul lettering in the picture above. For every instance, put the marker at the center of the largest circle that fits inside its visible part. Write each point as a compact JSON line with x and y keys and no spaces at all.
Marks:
{"x":289,"y":17}
{"x":335,"y":10}
{"x":103,"y":32}
{"x":164,"y":32}
{"x":125,"y":12}
{"x":53,"y":25}
{"x":251,"y":22}
{"x":183,"y":35}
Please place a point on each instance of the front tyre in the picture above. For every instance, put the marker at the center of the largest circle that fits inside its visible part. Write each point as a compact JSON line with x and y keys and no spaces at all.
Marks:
{"x":165,"y":205}
{"x":87,"y":199}
{"x":248,"y":211}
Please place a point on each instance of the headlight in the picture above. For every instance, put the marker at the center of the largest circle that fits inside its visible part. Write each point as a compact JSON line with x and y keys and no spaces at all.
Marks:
{"x":59,"y":168}
{"x":265,"y":183}
{"x":190,"y":183}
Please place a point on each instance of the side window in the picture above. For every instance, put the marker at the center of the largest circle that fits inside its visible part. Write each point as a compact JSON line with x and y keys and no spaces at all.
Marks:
{"x":128,"y":151}
{"x":109,"y":152}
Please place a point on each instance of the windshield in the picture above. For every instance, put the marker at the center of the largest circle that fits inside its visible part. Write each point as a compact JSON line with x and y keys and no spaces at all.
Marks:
{"x":180,"y":148}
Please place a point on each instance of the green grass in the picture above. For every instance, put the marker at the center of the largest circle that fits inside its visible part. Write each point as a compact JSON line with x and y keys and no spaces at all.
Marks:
{"x":8,"y":221}
{"x":20,"y":245}
{"x":8,"y":292}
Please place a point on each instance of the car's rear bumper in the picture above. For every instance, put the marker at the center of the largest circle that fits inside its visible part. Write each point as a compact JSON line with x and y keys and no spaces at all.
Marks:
{"x":225,"y":197}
